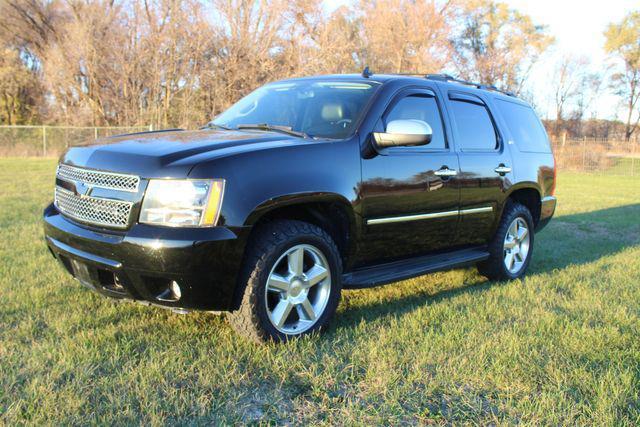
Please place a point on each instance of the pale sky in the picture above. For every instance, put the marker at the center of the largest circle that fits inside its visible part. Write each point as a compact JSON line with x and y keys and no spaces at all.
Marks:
{"x":578,"y":28}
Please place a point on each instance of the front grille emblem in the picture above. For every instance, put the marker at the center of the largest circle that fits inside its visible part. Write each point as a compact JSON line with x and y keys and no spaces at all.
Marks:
{"x":82,"y":189}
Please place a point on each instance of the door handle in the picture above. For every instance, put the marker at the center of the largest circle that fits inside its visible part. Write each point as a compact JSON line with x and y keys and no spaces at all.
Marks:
{"x":502,"y":169}
{"x":445,"y":171}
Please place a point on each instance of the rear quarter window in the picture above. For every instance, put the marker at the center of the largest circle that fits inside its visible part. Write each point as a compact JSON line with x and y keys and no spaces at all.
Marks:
{"x":526,"y":130}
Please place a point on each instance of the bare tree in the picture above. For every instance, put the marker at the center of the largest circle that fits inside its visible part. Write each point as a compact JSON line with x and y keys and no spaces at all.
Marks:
{"x":20,"y":90}
{"x":497,"y":45}
{"x":569,"y":84}
{"x":251,"y":45}
{"x":405,"y":35}
{"x":178,"y":63}
{"x":26,"y":29}
{"x":623,"y":42}
{"x":327,"y":44}
{"x":31,"y":25}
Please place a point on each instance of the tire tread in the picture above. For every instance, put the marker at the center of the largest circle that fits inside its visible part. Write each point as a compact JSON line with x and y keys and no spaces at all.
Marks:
{"x":246,"y":320}
{"x":493,"y":268}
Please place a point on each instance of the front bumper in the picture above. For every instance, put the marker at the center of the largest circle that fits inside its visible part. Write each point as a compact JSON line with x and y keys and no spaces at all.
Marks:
{"x":141,"y":263}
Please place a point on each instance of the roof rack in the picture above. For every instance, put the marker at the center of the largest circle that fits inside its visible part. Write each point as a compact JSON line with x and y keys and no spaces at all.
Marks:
{"x":366,"y":73}
{"x":449,"y":78}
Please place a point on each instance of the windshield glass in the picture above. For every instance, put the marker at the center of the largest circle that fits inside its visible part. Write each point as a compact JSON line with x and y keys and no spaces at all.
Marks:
{"x":323,"y":109}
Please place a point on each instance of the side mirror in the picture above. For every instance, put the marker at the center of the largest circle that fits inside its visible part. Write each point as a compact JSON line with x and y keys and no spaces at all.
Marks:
{"x":400,"y":133}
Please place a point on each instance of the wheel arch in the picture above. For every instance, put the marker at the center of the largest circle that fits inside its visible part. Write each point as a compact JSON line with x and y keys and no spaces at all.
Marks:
{"x":529,"y":195}
{"x":332,"y":212}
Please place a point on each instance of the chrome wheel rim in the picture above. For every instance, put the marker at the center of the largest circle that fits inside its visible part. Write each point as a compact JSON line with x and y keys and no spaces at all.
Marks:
{"x":298,"y":289}
{"x":516,"y":245}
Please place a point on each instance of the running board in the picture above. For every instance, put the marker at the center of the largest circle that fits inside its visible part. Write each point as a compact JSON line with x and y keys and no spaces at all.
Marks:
{"x":377,"y":275}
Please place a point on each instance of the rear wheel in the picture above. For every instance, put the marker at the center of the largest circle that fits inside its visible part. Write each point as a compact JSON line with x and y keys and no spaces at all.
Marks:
{"x":512,"y":246}
{"x":292,"y":282}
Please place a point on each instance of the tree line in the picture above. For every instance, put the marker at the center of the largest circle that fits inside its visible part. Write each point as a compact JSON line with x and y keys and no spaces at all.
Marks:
{"x":174,"y":63}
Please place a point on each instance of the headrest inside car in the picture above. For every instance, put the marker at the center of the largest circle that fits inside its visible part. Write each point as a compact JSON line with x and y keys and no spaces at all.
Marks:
{"x":332,"y":112}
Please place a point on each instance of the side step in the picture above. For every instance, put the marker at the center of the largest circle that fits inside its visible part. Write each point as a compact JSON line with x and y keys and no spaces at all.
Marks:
{"x":382,"y":274}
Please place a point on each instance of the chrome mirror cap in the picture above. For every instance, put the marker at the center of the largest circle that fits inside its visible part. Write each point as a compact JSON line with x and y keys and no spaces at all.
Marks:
{"x":399,"y":133}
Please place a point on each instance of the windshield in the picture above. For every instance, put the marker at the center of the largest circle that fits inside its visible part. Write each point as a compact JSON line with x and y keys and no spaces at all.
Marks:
{"x":321,"y":109}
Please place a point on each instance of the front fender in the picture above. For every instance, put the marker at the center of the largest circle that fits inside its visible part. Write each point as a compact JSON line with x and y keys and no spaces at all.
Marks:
{"x":258,"y":181}
{"x":308,"y":198}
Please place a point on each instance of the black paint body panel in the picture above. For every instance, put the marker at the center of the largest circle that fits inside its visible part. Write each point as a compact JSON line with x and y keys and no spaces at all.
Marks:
{"x":264,"y":171}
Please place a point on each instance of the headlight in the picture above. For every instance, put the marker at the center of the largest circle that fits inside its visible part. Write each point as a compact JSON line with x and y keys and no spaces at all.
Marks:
{"x":182,"y":203}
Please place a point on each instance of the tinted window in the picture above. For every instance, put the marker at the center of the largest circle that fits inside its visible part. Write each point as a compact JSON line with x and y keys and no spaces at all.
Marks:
{"x":423,"y":108}
{"x":526,"y":130}
{"x":328,"y":109}
{"x":474,"y":127}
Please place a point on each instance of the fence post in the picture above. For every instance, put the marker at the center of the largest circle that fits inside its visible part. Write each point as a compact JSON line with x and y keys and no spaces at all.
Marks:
{"x":633,"y":154}
{"x":44,"y":141}
{"x":95,"y":133}
{"x":584,"y":153}
{"x":151,"y":127}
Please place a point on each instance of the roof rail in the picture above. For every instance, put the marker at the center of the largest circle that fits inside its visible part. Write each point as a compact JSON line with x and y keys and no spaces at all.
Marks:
{"x":366,"y":73}
{"x":449,"y":78}
{"x":440,"y":77}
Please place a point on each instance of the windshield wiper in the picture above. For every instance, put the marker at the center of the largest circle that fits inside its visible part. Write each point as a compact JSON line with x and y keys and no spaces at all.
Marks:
{"x":274,"y":128}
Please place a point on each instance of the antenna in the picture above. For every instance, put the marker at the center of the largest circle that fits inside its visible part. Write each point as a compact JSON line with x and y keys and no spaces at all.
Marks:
{"x":366,"y":73}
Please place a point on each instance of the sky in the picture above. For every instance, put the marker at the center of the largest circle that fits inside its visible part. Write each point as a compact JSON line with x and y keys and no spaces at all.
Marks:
{"x":578,"y":28}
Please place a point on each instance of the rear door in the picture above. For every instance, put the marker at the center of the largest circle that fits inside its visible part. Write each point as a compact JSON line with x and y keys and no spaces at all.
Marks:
{"x":485,"y":166}
{"x":410,"y":194}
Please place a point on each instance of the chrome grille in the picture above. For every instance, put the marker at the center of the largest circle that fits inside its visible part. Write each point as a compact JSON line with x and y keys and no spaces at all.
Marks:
{"x":106,"y":212}
{"x":93,"y":178}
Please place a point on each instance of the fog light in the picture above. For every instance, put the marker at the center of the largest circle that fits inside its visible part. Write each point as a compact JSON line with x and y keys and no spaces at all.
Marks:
{"x":175,"y":290}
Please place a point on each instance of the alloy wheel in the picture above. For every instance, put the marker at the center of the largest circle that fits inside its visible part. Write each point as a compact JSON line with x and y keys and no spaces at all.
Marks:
{"x":298,"y":289}
{"x":516,"y":245}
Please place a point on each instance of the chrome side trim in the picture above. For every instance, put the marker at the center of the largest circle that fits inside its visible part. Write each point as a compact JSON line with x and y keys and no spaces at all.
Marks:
{"x":433,"y":215}
{"x":476,"y":210}
{"x":411,"y":217}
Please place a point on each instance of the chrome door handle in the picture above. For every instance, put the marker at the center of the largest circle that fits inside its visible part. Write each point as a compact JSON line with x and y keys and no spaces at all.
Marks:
{"x":502,"y":169}
{"x":445,"y":171}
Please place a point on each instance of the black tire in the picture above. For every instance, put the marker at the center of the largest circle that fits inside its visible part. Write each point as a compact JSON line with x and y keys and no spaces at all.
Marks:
{"x":494,"y":267}
{"x":272,"y":241}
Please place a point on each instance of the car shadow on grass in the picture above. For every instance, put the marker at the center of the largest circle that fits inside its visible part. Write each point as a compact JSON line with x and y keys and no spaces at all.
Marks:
{"x":568,"y":240}
{"x":585,"y":237}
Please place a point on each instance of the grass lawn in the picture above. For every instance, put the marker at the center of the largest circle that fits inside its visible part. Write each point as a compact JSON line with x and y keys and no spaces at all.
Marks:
{"x":559,"y":347}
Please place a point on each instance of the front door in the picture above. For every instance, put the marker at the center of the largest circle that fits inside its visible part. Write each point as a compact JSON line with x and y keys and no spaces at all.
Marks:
{"x":410,"y":195}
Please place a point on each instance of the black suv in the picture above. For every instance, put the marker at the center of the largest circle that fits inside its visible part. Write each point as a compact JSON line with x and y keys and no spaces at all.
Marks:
{"x":303,"y":188}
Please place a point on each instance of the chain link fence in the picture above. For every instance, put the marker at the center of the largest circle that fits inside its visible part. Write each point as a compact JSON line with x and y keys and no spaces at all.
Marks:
{"x":51,"y":141}
{"x":614,"y":157}
{"x":589,"y":155}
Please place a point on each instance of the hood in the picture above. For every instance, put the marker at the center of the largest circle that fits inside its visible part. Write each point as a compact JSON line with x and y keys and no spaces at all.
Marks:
{"x":170,"y":153}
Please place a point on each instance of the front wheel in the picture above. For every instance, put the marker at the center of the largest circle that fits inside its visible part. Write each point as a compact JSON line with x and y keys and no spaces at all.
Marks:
{"x":293,"y":285}
{"x":512,"y":246}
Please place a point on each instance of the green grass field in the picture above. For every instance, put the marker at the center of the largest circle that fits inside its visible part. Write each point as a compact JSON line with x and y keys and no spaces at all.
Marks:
{"x":559,"y":347}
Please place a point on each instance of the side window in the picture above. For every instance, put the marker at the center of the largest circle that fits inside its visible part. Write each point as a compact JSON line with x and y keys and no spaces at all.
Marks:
{"x":474,"y":126}
{"x":420,"y":107}
{"x":526,"y":130}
